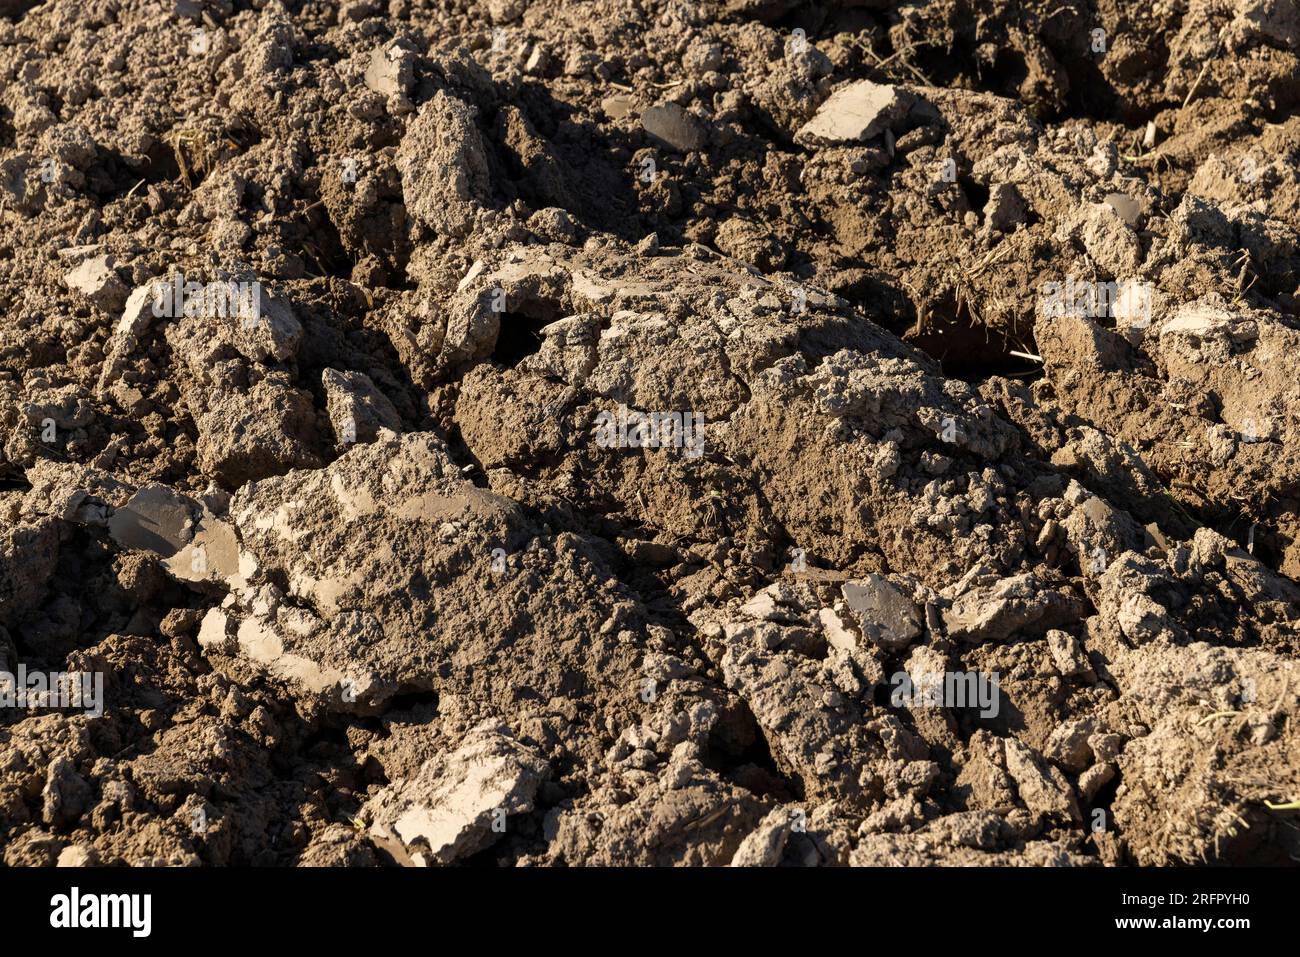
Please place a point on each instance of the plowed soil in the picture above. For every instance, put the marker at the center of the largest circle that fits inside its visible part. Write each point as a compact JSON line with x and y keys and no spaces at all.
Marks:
{"x":568,"y":433}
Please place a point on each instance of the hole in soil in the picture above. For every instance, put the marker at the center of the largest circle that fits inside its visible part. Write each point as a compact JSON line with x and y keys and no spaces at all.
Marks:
{"x":1008,"y":73}
{"x":518,"y":339}
{"x":162,"y":166}
{"x":11,"y":482}
{"x":463,"y":456}
{"x":20,"y":9}
{"x":1262,"y":542}
{"x":756,"y":772}
{"x":965,"y":347}
{"x":521,"y":331}
{"x":1105,"y":795}
{"x":111,"y":177}
{"x":411,"y":700}
{"x":738,"y":749}
{"x":977,"y":194}
{"x":327,"y":739}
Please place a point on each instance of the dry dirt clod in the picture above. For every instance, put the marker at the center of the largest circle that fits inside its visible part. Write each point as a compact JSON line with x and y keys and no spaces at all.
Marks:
{"x":97,"y":280}
{"x":457,"y":804}
{"x":854,"y":114}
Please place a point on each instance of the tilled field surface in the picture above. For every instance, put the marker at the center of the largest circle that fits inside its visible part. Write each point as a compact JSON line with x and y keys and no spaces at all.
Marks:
{"x":557,"y":433}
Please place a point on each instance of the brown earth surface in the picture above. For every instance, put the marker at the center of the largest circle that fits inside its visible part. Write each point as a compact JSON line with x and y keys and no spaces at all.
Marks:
{"x":580,"y":424}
